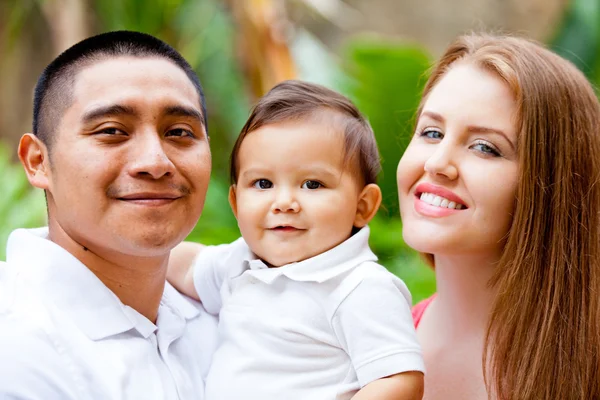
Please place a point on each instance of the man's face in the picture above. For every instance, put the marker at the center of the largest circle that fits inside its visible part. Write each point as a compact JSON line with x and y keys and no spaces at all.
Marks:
{"x":130,"y":160}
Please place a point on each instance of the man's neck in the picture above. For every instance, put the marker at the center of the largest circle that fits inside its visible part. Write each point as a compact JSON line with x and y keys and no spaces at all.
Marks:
{"x":137,"y":281}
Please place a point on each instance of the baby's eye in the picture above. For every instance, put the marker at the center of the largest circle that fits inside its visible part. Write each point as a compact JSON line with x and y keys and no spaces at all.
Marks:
{"x":486,"y":149}
{"x":263,"y":184}
{"x":311,"y":185}
{"x":432,"y":134}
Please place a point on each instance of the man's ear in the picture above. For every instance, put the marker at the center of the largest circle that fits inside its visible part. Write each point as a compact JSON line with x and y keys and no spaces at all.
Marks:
{"x":369,"y":201}
{"x":233,"y":200}
{"x":33,"y":154}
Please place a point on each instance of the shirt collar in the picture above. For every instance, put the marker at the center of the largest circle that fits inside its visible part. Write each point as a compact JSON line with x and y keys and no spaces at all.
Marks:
{"x":322,"y":267}
{"x":57,"y":276}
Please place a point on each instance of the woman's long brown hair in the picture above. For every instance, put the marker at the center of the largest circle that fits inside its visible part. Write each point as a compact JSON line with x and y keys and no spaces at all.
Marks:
{"x":543,"y":337}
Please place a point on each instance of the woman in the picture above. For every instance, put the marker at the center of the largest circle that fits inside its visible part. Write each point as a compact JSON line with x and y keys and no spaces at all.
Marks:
{"x":499,"y":189}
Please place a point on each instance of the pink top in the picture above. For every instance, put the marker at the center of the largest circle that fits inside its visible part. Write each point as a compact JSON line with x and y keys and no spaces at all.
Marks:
{"x":419,"y":309}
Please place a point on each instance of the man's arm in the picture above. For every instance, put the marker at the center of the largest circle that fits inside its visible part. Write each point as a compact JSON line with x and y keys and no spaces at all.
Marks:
{"x":404,"y":386}
{"x":180,"y":272}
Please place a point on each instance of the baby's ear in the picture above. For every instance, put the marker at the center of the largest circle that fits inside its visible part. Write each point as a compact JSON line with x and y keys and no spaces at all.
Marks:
{"x":233,"y":200}
{"x":369,"y":201}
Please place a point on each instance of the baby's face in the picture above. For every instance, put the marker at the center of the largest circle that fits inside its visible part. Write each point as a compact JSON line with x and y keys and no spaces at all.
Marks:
{"x":295,"y":197}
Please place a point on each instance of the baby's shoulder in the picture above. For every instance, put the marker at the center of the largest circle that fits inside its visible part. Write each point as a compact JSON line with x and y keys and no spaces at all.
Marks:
{"x":366,"y":281}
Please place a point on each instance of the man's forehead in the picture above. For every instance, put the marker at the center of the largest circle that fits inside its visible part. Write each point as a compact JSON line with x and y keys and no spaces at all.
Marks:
{"x":132,"y":69}
{"x":122,"y":79}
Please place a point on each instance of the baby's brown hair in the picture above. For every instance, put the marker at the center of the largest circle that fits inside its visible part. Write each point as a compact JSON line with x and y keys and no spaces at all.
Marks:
{"x":295,"y":100}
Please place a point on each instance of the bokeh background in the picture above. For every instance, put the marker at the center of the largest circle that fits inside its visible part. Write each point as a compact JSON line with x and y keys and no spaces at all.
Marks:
{"x":375,"y":51}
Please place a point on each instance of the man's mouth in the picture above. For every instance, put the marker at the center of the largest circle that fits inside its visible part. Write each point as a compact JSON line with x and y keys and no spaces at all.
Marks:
{"x":150,"y":198}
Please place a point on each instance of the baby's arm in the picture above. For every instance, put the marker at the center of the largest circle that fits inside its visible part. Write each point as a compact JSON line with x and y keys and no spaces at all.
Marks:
{"x":180,"y":272}
{"x":404,"y":386}
{"x":201,"y":271}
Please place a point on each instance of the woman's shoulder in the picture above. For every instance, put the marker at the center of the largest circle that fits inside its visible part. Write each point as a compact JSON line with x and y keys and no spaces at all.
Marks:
{"x":419,"y":309}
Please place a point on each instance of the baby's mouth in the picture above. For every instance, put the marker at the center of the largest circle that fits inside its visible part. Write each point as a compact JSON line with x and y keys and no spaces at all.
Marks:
{"x":285,"y":228}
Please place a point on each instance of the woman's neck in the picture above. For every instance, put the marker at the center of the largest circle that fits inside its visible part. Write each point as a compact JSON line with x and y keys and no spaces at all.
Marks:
{"x":464,"y":295}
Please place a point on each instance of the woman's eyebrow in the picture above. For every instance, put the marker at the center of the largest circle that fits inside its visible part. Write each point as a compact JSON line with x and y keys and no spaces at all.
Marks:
{"x":483,"y":129}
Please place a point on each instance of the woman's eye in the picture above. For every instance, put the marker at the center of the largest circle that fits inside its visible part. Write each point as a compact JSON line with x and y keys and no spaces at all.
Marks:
{"x":311,"y":185}
{"x":486,"y":149}
{"x":180,"y":132}
{"x":432,"y":134}
{"x":263,"y":184}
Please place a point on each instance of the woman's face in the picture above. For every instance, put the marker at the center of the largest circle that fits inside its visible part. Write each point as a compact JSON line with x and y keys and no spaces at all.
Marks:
{"x":458,"y":176}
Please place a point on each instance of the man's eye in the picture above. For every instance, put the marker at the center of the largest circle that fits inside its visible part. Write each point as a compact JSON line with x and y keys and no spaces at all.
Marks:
{"x":180,"y":132}
{"x":311,"y":185}
{"x":112,"y":131}
{"x":263,"y":184}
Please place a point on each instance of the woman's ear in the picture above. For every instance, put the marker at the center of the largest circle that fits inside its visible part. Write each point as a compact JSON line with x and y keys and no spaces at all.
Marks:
{"x":233,"y":200}
{"x":369,"y":201}
{"x":34,"y":157}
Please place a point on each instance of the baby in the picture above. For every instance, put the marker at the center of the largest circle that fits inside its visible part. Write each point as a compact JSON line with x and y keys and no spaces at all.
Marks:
{"x":305,"y":311}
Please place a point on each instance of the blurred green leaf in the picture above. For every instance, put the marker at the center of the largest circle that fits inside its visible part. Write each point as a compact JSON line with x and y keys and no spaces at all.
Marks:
{"x":578,"y":39}
{"x":21,"y":206}
{"x":217,"y":224}
{"x":386,"y":241}
{"x":385,"y":81}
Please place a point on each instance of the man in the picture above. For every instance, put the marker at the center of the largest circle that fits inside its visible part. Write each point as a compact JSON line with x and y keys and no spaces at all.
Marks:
{"x":120,"y":147}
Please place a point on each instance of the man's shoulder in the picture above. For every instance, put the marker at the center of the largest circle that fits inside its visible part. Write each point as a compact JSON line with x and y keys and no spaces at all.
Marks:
{"x":31,"y":366}
{"x":23,"y":337}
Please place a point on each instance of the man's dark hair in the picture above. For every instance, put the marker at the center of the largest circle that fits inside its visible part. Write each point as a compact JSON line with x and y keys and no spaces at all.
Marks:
{"x":54,"y":89}
{"x":296,"y":101}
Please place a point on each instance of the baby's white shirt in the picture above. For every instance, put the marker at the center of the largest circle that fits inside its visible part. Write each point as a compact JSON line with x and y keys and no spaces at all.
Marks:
{"x":317,"y":329}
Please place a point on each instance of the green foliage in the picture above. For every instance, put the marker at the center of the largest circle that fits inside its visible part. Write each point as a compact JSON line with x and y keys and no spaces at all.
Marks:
{"x":385,"y":81}
{"x":386,"y":241}
{"x":21,"y":206}
{"x":578,"y":39}
{"x":217,"y":224}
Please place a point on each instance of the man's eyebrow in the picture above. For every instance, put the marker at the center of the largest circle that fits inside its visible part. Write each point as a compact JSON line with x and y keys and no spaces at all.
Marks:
{"x":108,"y":111}
{"x":181,"y":111}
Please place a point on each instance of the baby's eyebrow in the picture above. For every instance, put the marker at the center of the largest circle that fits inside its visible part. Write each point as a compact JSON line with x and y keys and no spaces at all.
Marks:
{"x":310,"y":172}
{"x":254,"y":172}
{"x":322,"y":171}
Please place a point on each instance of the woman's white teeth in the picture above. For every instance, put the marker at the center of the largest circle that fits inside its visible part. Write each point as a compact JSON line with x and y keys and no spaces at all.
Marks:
{"x":439,"y":201}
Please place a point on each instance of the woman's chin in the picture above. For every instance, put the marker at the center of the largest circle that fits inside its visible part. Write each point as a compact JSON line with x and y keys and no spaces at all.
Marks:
{"x":429,"y":242}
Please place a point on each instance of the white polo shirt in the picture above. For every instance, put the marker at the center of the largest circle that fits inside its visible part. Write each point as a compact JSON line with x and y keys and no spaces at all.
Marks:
{"x":317,"y":329}
{"x":65,"y":335}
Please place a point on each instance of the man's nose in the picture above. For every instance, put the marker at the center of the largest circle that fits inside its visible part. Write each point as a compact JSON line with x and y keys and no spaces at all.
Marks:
{"x":150,"y":157}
